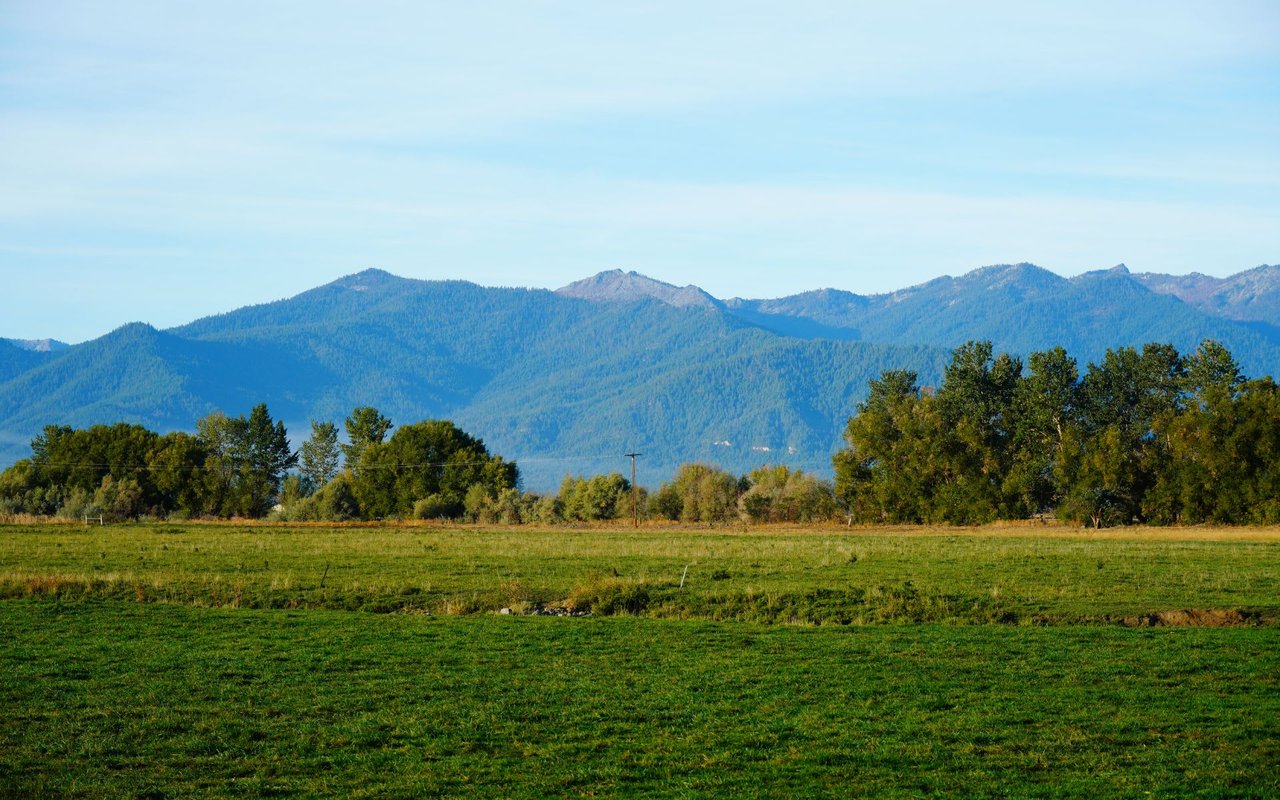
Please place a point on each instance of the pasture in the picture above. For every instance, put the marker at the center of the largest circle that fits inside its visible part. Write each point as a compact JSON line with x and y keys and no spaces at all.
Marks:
{"x":213,"y":660}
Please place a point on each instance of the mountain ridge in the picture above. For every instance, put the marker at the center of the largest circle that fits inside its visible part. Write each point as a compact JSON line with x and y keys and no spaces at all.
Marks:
{"x":566,"y":381}
{"x":37,"y":345}
{"x":625,"y":287}
{"x":1252,"y":295}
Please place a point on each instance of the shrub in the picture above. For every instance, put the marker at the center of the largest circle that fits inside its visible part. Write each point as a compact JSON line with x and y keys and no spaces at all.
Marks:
{"x":544,"y":510}
{"x":77,"y":505}
{"x":611,"y":596}
{"x":336,"y":500}
{"x":119,"y":499}
{"x":699,"y":493}
{"x":432,"y":507}
{"x":599,"y":497}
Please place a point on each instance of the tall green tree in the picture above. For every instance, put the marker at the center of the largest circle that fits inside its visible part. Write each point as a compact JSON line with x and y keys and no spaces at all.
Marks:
{"x":1255,"y":443}
{"x":366,"y":426}
{"x":976,"y":402}
{"x":269,"y":456}
{"x":177,"y":464}
{"x":318,"y":457}
{"x":246,"y":462}
{"x":699,"y":493}
{"x":1211,"y":370}
{"x":599,"y":497}
{"x":1045,"y":409}
{"x":915,"y":457}
{"x":876,"y":479}
{"x":432,"y":461}
{"x":218,"y":435}
{"x":1128,"y":389}
{"x":1108,"y":472}
{"x":1215,"y":460}
{"x":1098,"y":477}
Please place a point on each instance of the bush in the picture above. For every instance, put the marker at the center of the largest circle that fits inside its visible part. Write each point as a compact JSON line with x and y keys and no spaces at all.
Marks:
{"x":599,"y":497}
{"x":512,"y":507}
{"x":544,"y":510}
{"x":336,"y":500}
{"x":432,"y":507}
{"x":611,"y":596}
{"x":119,"y":499}
{"x":478,"y":505}
{"x":78,"y":505}
{"x":699,"y":493}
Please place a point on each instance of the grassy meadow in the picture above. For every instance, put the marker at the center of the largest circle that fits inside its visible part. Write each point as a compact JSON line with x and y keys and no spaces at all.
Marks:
{"x":178,"y":660}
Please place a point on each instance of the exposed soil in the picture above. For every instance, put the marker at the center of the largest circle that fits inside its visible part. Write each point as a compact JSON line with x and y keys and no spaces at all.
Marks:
{"x":1193,"y":617}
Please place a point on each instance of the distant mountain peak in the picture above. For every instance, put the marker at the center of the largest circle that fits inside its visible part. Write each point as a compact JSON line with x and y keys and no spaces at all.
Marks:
{"x":1022,"y":273}
{"x":1020,"y":267}
{"x":367,"y":279}
{"x":1118,"y":271}
{"x":618,"y":286}
{"x":38,"y":345}
{"x":1250,"y":295}
{"x":1015,"y":281}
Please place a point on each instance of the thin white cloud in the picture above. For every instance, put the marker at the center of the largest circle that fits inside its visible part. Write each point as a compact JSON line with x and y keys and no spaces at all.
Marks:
{"x":415,"y":69}
{"x":281,"y":142}
{"x":95,"y":251}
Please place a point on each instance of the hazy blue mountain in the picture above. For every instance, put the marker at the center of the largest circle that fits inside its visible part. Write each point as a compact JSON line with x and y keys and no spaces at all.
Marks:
{"x":19,"y":355}
{"x":568,"y":381}
{"x":37,"y":345}
{"x":559,"y":383}
{"x":618,"y":286}
{"x":139,"y":374}
{"x":1253,"y":295}
{"x":16,"y":360}
{"x":1020,"y":308}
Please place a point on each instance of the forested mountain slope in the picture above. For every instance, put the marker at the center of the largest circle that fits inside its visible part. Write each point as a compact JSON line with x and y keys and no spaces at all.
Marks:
{"x":1021,"y":308}
{"x":1252,"y":295}
{"x":15,"y":360}
{"x":569,"y":381}
{"x":558,"y":383}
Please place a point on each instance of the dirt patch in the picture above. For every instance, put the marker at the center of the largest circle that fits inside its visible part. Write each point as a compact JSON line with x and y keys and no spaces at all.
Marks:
{"x":1193,"y":617}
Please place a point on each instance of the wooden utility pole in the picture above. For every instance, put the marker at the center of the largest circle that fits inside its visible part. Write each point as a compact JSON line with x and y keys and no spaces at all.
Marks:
{"x":635,"y":492}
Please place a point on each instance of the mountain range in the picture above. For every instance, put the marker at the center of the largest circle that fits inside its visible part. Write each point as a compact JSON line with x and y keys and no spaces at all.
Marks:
{"x":567,"y":381}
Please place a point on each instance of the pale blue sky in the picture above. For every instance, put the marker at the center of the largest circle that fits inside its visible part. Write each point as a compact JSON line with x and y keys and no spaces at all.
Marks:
{"x":164,"y":161}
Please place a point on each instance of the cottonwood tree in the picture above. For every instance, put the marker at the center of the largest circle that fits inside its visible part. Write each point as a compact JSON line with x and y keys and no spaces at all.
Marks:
{"x":247,"y":459}
{"x":780,"y":494}
{"x":1045,"y":409}
{"x":318,"y":457}
{"x":599,"y":497}
{"x":699,"y":493}
{"x":431,"y":462}
{"x":364,"y":427}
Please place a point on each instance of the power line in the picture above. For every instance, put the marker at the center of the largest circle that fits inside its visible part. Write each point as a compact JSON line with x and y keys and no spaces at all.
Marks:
{"x":69,"y":465}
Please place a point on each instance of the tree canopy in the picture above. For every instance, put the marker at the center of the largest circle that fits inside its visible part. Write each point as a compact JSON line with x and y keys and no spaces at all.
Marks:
{"x":237,"y":466}
{"x":1143,"y":436}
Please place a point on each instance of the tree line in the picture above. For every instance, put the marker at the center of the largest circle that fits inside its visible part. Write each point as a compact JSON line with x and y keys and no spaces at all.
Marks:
{"x":1144,"y":436}
{"x":244,"y":467}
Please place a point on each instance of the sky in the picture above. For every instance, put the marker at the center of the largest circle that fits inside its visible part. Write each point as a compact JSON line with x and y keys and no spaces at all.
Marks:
{"x":163,"y":161}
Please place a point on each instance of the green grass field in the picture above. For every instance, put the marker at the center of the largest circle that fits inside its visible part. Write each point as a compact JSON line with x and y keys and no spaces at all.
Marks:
{"x":219,"y":660}
{"x":1051,"y":575}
